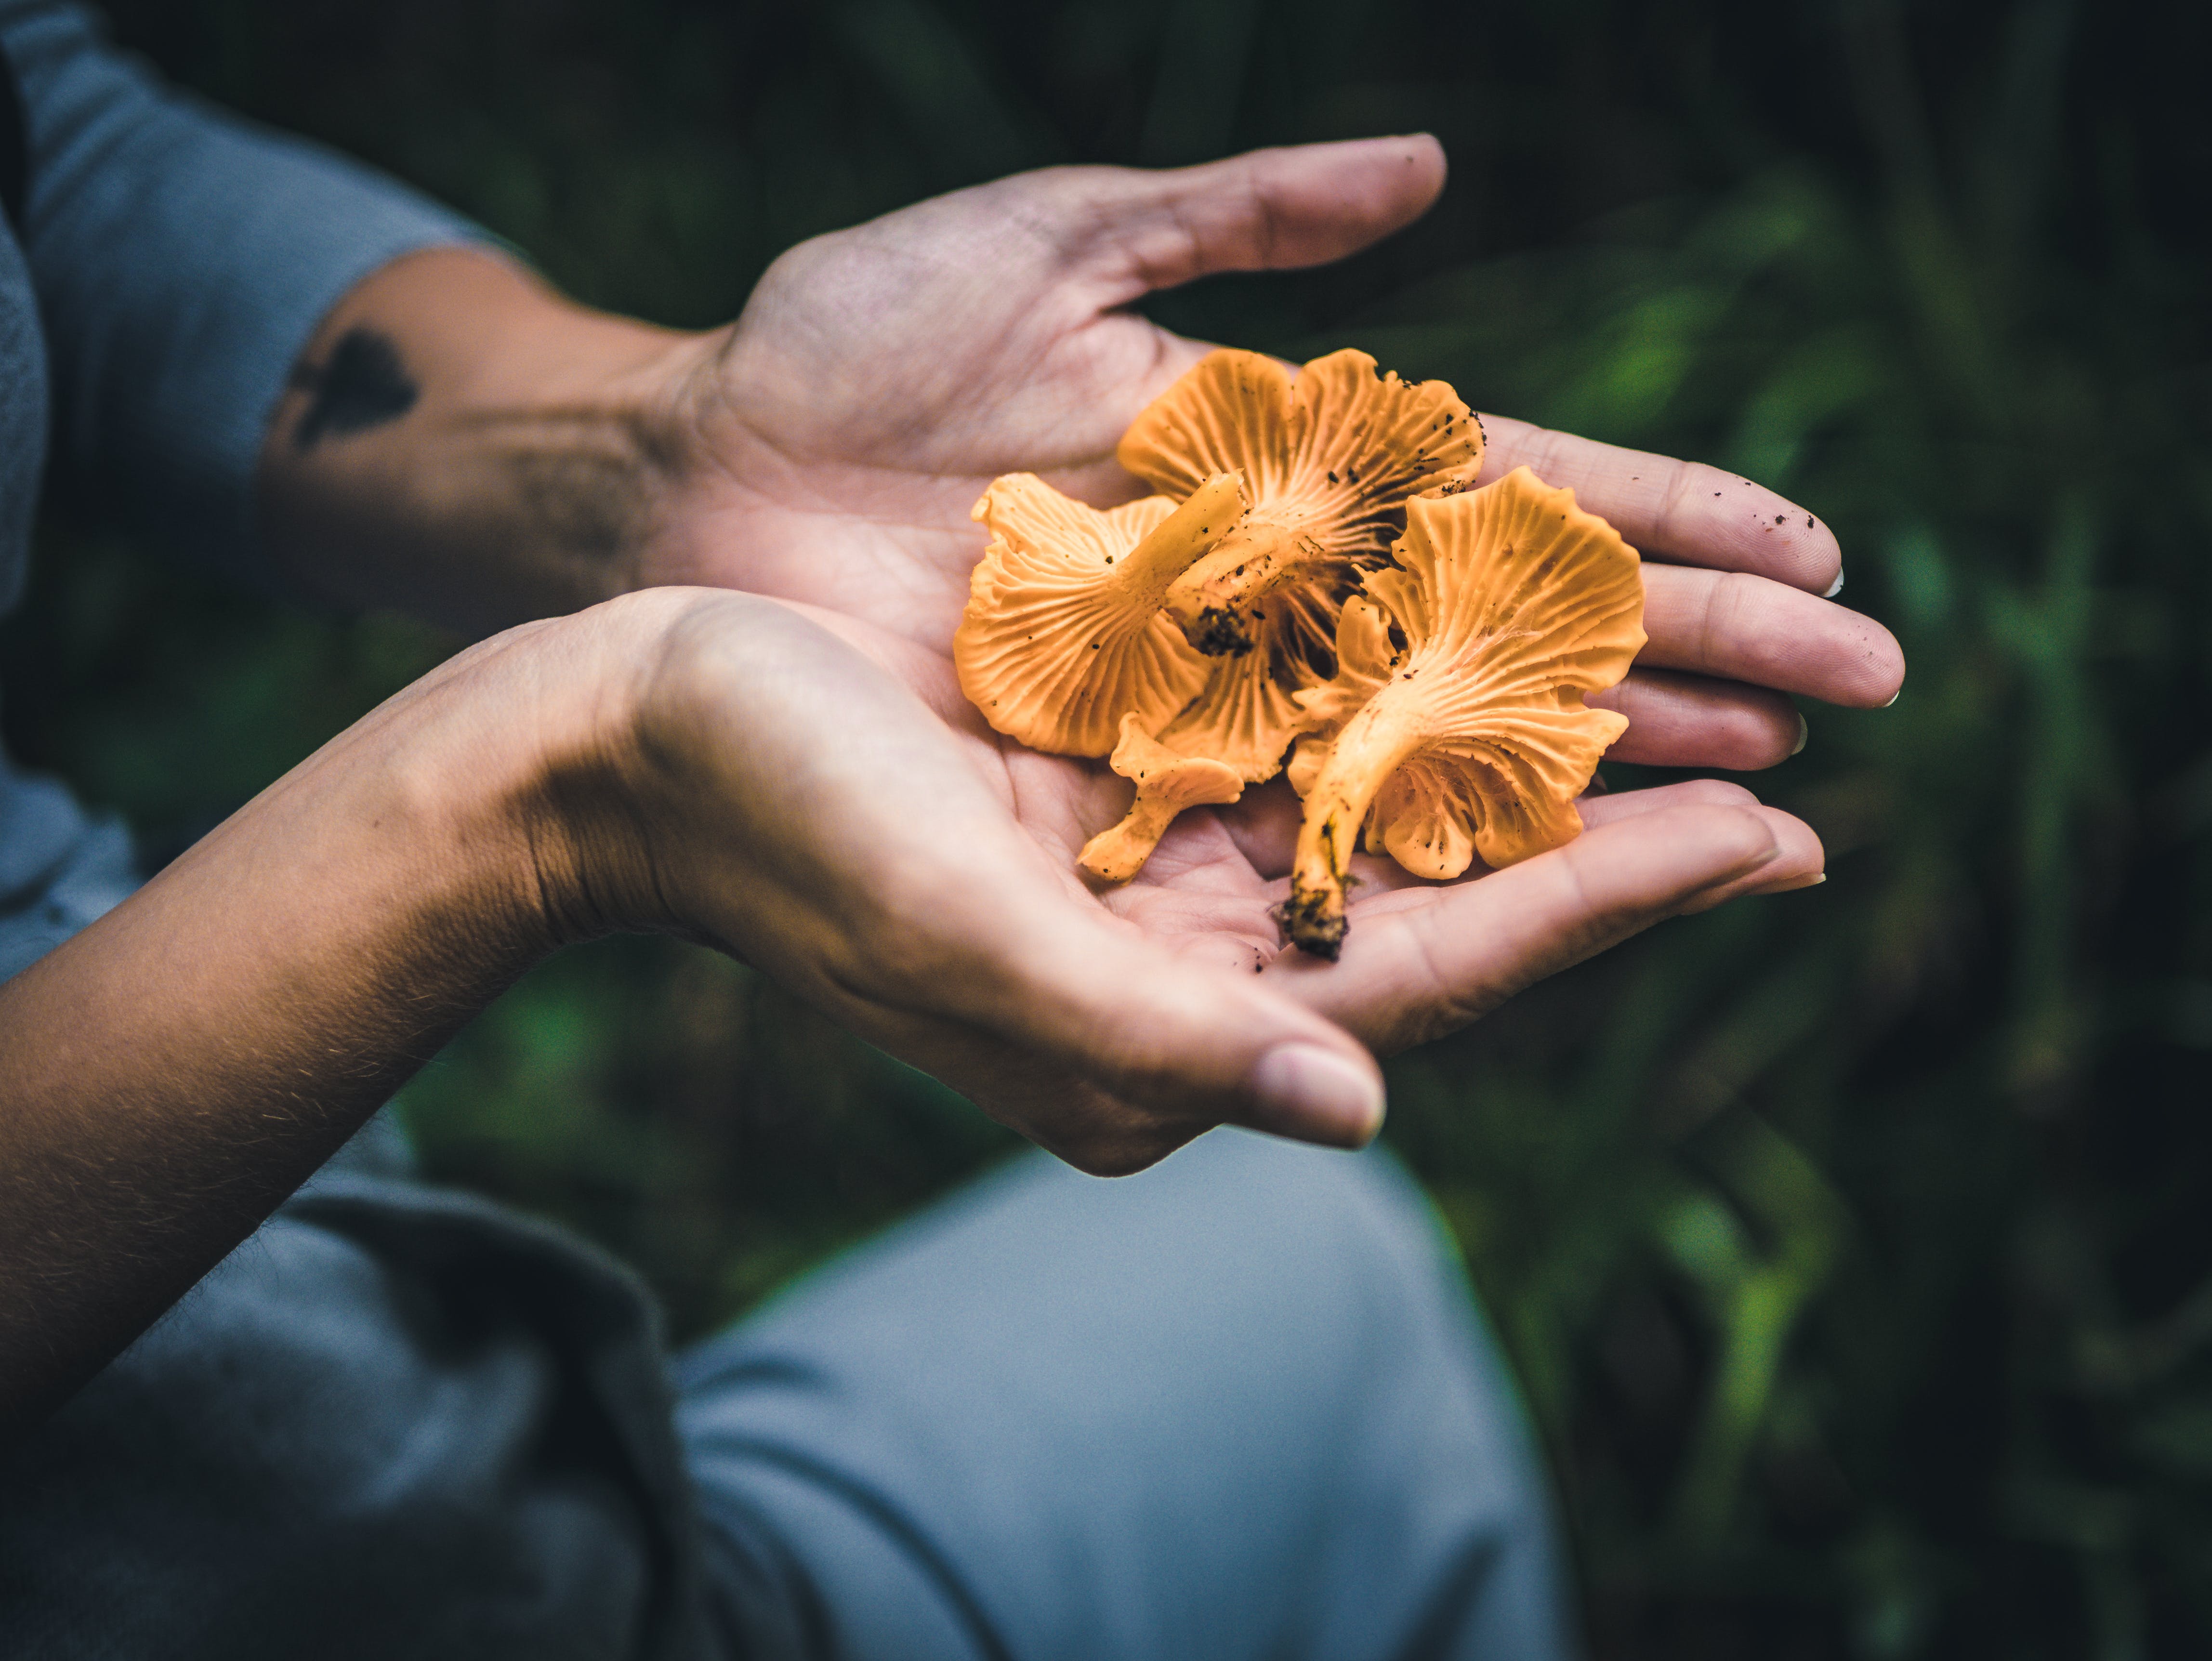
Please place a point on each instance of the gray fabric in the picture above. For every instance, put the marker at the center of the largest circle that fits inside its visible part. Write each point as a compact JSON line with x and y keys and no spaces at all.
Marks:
{"x":1238,"y":1406}
{"x":398,"y":1422}
{"x":178,"y":259}
{"x":59,"y":868}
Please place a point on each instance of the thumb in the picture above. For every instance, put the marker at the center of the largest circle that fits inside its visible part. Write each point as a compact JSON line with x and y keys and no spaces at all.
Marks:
{"x":1269,"y":210}
{"x":1112,"y":1048}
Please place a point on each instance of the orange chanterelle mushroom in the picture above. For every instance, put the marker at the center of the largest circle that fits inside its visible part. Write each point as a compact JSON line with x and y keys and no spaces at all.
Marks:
{"x":1455,"y":725}
{"x":1328,"y":461}
{"x":1166,"y":784}
{"x":1196,"y":643}
{"x":1063,"y":634}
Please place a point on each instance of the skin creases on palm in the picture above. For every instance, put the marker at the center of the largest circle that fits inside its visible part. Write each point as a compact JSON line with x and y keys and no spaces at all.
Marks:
{"x":1207,"y":889}
{"x":817,"y":493}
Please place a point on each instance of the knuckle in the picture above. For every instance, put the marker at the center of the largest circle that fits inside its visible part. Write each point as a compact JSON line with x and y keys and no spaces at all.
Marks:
{"x":1688,"y":486}
{"x":1728,"y":595}
{"x":1748,"y":836}
{"x":1754,"y":738}
{"x":1717,"y":793}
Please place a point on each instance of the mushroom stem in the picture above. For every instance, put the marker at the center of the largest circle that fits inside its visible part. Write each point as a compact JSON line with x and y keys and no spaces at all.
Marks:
{"x":1146,"y":572}
{"x":1388,"y":730}
{"x":1118,"y":854}
{"x":1211,"y":601}
{"x":1167,"y":782}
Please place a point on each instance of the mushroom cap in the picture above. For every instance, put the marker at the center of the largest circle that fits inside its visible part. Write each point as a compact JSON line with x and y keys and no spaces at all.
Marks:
{"x":1332,"y":455}
{"x":1510,"y":603}
{"x":1505,"y":802}
{"x":1170,"y":774}
{"x":1052,"y":648}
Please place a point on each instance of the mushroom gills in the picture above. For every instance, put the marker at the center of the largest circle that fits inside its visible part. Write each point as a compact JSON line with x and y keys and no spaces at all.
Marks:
{"x":1063,"y":632}
{"x":1328,"y":460}
{"x":1454,"y":728}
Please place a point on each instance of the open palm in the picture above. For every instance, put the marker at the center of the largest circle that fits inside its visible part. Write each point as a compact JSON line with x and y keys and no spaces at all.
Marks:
{"x":881,"y":377}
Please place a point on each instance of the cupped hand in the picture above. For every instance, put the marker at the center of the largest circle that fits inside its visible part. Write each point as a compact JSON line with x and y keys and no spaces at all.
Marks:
{"x":880,"y":377}
{"x":878,"y":380}
{"x":813,"y":794}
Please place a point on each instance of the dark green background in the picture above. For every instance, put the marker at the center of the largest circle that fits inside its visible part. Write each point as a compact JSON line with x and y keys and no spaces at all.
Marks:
{"x":1853,"y":1245}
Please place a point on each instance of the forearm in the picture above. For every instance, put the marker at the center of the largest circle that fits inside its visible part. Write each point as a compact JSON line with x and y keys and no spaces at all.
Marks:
{"x":172,"y":1074}
{"x":462,"y":443}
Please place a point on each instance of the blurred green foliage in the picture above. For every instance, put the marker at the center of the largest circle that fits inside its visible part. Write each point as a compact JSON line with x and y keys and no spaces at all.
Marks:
{"x":1854,"y":1245}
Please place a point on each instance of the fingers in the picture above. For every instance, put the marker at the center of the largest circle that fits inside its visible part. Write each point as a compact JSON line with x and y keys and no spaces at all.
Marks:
{"x":1612,"y":808}
{"x":1750,"y":628}
{"x":1268,"y":209}
{"x":1800,"y":861}
{"x":1419,"y":963}
{"x":1681,"y":510}
{"x":1690,"y":721}
{"x":1265,"y":826}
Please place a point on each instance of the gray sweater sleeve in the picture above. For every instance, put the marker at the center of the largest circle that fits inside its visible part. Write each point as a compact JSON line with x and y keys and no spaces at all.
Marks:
{"x":182,"y":258}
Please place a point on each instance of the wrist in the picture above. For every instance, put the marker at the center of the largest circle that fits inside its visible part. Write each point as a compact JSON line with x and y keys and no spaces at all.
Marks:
{"x":173,"y":1071}
{"x":555,"y":762}
{"x":462,"y":442}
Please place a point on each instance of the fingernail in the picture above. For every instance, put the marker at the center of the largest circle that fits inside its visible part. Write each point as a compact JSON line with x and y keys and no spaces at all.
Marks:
{"x":1835,"y":587}
{"x":1804,"y":732}
{"x":1302,"y":1090}
{"x":1797,"y":883}
{"x":1893,"y":696}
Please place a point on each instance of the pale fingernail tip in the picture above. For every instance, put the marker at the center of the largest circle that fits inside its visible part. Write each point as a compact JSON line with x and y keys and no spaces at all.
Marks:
{"x":1835,"y":587}
{"x":1893,"y":696}
{"x":1303,"y":1090}
{"x":1804,"y":736}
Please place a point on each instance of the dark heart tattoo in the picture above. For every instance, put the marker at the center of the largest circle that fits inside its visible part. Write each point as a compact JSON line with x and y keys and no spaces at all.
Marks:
{"x":362,"y":385}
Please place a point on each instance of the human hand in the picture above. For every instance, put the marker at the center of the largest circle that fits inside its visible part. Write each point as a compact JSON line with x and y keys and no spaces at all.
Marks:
{"x":881,"y":377}
{"x":826,"y":450}
{"x":877,"y":381}
{"x":814,"y":795}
